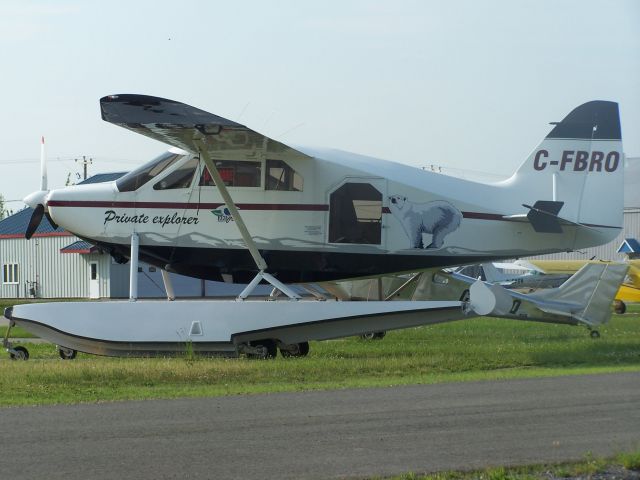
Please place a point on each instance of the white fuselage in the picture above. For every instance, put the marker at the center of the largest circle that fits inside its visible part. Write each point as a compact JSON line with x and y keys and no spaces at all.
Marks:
{"x":389,"y":215}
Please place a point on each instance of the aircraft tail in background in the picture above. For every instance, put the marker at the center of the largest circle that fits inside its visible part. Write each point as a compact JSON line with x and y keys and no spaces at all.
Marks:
{"x":585,"y":298}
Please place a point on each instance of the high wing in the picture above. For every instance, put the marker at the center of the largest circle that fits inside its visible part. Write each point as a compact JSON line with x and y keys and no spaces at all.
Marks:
{"x":186,"y":127}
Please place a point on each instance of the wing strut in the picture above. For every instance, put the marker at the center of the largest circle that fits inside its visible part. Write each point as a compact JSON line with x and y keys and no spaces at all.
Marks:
{"x":244,"y":232}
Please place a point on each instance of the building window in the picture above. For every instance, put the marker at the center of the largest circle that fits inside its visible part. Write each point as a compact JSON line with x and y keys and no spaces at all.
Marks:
{"x":280,"y":176}
{"x":234,"y":174}
{"x":10,"y":273}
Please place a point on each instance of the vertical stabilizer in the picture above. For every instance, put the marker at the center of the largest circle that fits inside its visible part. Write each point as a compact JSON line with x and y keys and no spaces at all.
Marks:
{"x":592,"y":289}
{"x":578,"y":170}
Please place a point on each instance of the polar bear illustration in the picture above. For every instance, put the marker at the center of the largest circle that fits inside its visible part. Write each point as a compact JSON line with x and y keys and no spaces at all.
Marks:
{"x":439,"y":218}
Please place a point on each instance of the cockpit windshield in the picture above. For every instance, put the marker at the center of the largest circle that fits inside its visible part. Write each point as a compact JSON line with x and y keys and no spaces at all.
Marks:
{"x":141,"y":175}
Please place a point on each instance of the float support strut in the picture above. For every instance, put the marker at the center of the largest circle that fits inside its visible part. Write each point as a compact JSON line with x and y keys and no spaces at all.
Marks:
{"x":133,"y":268}
{"x":168,"y":286}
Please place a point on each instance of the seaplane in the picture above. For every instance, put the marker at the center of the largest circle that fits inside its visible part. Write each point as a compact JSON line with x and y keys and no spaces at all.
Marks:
{"x":228,"y":203}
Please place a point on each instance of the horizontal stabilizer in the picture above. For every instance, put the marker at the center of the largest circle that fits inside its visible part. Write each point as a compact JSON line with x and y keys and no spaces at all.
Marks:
{"x":544,"y":216}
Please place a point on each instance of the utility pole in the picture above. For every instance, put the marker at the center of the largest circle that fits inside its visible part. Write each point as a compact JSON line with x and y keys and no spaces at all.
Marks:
{"x":85,"y":163}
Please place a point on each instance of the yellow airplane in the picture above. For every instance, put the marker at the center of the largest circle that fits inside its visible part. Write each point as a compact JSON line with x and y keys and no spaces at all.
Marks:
{"x":629,"y":290}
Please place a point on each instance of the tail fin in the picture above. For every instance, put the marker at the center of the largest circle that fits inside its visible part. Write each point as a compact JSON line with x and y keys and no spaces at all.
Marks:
{"x":578,"y":170}
{"x":492,"y":274}
{"x":592,"y":289}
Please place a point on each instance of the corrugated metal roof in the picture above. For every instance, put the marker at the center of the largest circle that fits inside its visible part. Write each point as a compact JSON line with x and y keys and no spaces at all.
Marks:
{"x":103,"y":177}
{"x":79,"y":247}
{"x":16,"y":225}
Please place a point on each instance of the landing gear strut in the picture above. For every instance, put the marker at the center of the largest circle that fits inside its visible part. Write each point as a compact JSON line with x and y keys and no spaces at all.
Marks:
{"x":295,"y":350}
{"x":67,"y":353}
{"x":261,"y":349}
{"x":373,"y":335}
{"x":15,"y":353}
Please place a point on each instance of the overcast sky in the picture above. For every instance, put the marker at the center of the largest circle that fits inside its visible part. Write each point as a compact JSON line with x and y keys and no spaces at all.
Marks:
{"x":464,"y":84}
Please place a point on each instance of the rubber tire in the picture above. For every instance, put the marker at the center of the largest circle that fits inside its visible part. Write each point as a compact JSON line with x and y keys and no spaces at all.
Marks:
{"x":23,"y":355}
{"x":272,"y":348}
{"x":594,"y":334}
{"x":373,"y":335}
{"x":303,"y":351}
{"x":619,"y":307}
{"x":64,"y":356}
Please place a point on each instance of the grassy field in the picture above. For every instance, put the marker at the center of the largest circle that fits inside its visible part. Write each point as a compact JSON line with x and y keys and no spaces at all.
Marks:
{"x":617,"y":467}
{"x":474,"y":349}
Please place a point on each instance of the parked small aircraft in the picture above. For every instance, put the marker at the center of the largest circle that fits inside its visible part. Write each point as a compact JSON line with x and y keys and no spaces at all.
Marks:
{"x":227,"y":201}
{"x":525,"y":278}
{"x":584,"y":299}
{"x":629,"y":291}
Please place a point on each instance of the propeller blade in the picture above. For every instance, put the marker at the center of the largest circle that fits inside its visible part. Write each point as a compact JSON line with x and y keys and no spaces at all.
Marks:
{"x":36,"y":218}
{"x":43,"y":166}
{"x":53,"y":224}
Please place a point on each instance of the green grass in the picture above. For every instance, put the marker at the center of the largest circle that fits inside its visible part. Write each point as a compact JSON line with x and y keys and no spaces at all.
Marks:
{"x":16,"y":332}
{"x":474,"y":349}
{"x":586,"y":468}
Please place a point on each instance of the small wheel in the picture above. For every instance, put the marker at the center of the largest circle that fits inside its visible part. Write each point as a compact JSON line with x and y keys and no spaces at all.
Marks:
{"x":67,"y":353}
{"x":373,"y":335}
{"x":619,"y":307}
{"x":298,"y":350}
{"x":21,"y":353}
{"x":594,"y":334}
{"x":270,"y":346}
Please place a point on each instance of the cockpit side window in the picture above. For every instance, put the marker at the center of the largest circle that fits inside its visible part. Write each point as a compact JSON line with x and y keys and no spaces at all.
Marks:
{"x":234,"y":174}
{"x":141,"y":175}
{"x":280,"y":176}
{"x":181,"y":177}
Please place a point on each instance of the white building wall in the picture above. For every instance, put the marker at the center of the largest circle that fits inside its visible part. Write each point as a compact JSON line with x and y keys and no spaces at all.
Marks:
{"x":58,"y":275}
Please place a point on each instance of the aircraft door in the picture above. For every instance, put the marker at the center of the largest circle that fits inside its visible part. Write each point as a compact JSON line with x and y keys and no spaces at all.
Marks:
{"x":94,"y":280}
{"x":356,"y":208}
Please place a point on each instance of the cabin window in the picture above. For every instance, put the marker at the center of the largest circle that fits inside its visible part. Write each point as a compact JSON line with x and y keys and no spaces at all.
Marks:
{"x":355,"y":214}
{"x":141,"y":175}
{"x":10,"y":273}
{"x":234,"y":174}
{"x":280,"y":176}
{"x":181,"y":177}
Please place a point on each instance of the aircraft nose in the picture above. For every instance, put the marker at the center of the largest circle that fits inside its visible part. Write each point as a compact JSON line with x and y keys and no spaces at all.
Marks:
{"x":36,"y":198}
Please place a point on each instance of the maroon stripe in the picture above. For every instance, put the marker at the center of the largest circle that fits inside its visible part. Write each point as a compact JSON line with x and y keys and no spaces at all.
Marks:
{"x":484,"y":216}
{"x":186,"y":206}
